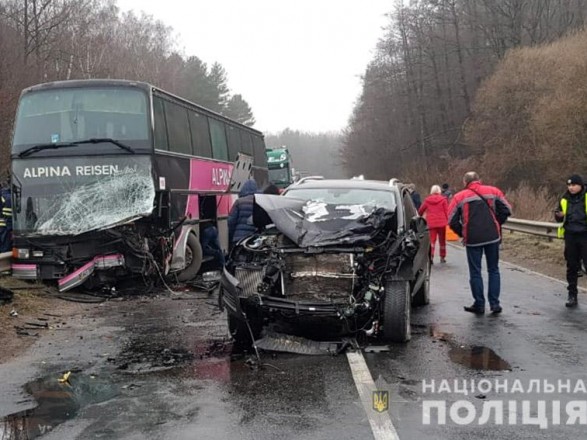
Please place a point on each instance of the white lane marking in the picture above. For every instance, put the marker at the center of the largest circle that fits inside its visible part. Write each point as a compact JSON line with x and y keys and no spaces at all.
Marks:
{"x":380,"y":423}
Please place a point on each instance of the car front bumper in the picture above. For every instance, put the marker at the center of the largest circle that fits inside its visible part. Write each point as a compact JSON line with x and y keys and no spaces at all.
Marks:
{"x":234,"y":298}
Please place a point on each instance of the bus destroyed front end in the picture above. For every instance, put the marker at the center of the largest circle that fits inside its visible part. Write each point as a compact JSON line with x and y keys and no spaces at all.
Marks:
{"x":84,"y":218}
{"x":316,"y":264}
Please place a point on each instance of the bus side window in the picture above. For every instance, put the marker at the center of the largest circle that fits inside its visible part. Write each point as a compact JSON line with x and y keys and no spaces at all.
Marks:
{"x":200,"y":130}
{"x":178,"y":128}
{"x":234,"y":142}
{"x":219,"y":147}
{"x":161,"y":142}
{"x":247,"y":143}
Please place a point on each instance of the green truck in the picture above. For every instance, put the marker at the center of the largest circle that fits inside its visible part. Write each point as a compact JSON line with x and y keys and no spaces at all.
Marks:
{"x":281,"y":173}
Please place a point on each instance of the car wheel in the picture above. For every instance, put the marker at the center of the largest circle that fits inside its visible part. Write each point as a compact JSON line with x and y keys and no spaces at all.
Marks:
{"x":422,"y":296}
{"x":193,"y":259}
{"x":239,"y":331}
{"x":396,"y":311}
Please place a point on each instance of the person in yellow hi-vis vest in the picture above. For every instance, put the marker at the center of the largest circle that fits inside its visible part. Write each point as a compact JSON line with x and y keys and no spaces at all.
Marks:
{"x":572,"y":212}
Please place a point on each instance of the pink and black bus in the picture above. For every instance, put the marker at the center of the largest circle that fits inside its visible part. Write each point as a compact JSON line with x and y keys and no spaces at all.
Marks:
{"x":113,"y":178}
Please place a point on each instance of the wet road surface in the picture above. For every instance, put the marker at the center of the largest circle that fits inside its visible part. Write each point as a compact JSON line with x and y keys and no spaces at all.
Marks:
{"x":158,"y":368}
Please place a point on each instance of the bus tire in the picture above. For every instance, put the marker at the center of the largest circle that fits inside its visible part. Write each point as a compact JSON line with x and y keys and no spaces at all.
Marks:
{"x":193,"y":258}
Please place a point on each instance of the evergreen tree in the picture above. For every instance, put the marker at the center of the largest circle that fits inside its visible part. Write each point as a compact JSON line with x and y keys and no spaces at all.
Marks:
{"x":239,"y":110}
{"x":217,"y":80}
{"x":197,"y":84}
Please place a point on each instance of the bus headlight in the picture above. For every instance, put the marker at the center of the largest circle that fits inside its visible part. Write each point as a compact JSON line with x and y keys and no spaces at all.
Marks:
{"x":23,"y":254}
{"x":38,"y":254}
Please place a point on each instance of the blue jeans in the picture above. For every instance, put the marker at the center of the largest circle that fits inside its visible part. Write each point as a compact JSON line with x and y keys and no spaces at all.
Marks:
{"x":474,"y":256}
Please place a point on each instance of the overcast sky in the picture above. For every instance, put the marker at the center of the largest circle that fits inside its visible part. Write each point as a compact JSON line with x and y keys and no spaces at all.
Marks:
{"x":296,"y":62}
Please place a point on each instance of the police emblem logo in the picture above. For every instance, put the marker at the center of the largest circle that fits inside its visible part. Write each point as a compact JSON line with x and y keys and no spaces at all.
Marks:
{"x":380,"y":401}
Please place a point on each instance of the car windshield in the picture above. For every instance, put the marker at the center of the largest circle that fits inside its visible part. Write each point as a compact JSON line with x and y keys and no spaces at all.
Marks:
{"x":346,"y":196}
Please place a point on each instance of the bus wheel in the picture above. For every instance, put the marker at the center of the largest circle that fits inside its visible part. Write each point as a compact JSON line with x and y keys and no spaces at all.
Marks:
{"x":193,"y":259}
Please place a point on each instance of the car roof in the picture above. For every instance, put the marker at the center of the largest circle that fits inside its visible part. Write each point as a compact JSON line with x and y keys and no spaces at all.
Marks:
{"x":379,"y":185}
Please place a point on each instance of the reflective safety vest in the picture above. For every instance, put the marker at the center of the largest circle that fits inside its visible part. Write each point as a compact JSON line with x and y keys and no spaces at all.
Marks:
{"x":564,"y":206}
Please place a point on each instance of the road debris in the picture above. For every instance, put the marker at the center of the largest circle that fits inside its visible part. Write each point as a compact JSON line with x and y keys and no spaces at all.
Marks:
{"x":273,"y":341}
{"x":65,"y":378}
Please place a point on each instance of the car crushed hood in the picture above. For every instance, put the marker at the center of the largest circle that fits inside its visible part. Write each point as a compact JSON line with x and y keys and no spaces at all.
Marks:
{"x":318,"y":224}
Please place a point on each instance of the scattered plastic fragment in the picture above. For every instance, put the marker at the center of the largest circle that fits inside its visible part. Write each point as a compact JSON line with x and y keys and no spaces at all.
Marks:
{"x":65,"y":378}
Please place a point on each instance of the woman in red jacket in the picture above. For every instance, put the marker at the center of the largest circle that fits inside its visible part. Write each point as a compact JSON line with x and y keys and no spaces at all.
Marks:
{"x":436,"y":209}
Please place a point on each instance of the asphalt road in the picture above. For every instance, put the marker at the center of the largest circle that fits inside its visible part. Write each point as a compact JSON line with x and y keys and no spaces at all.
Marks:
{"x":162,"y":368}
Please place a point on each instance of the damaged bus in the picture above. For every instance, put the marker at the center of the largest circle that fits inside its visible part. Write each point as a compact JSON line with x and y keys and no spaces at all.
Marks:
{"x":115,"y":178}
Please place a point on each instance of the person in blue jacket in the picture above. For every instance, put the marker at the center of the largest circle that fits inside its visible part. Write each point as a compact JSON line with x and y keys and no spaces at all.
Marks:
{"x":211,"y":245}
{"x":240,"y":219}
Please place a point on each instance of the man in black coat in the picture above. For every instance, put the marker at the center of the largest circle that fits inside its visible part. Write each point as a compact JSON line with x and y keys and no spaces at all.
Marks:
{"x":240,"y":219}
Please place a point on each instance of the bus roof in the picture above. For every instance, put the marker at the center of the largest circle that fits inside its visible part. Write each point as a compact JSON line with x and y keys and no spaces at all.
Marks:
{"x":128,"y":83}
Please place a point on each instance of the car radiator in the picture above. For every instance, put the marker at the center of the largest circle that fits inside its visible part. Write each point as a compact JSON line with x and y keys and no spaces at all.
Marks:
{"x":248,"y":278}
{"x":321,"y":277}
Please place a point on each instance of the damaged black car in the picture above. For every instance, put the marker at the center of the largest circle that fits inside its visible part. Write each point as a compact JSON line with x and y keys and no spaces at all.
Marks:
{"x":350,"y":255}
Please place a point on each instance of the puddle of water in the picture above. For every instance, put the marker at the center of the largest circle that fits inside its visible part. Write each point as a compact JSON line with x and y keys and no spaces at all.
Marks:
{"x":478,"y":358}
{"x":57,"y":402}
{"x":475,"y":357}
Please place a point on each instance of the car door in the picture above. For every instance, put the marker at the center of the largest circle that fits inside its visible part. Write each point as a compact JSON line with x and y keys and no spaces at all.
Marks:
{"x":419,"y":226}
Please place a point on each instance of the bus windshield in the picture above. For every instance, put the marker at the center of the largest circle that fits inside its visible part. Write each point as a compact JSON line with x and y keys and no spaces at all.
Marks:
{"x":78,"y":114}
{"x":54,"y":197}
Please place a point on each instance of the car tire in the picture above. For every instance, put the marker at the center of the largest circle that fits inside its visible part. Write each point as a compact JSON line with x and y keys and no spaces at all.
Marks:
{"x":396,"y":311}
{"x":422,"y":296}
{"x":193,"y":257}
{"x":239,"y":331}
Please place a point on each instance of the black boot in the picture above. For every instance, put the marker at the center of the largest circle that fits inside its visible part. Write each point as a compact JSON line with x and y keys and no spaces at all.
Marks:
{"x":571,"y":300}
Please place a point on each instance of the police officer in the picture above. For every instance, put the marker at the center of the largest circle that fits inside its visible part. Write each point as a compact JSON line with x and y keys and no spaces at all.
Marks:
{"x":5,"y":220}
{"x":572,"y":212}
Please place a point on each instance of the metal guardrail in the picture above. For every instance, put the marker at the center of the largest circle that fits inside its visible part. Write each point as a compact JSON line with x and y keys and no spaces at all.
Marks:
{"x":542,"y":229}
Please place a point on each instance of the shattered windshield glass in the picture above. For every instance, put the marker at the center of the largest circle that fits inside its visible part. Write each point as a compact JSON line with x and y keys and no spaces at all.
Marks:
{"x":53,"y":198}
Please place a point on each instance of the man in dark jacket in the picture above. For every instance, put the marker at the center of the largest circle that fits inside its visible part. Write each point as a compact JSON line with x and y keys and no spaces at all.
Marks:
{"x":5,"y":220}
{"x":572,"y":212}
{"x":476,"y":214}
{"x":240,"y":219}
{"x":415,"y":195}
